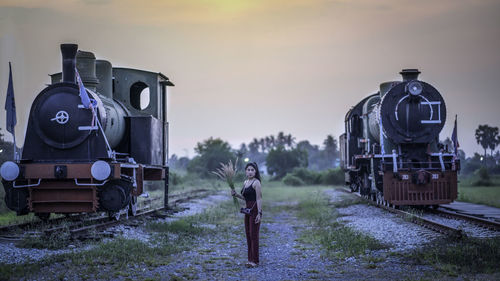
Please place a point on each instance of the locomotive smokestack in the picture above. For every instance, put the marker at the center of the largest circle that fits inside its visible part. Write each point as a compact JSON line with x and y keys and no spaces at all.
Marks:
{"x":69,"y":62}
{"x":410,"y":74}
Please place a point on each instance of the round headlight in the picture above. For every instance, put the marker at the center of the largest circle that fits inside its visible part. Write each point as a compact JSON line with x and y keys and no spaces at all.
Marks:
{"x":415,"y":88}
{"x":9,"y":171}
{"x":100,"y":170}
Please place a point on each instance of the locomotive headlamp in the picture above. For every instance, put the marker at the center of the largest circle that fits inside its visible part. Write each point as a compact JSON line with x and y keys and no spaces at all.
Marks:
{"x":100,"y":170}
{"x":414,"y":88}
{"x":9,"y":171}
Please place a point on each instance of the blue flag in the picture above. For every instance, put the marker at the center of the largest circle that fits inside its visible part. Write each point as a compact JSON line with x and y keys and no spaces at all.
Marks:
{"x":10,"y":105}
{"x":83,"y":93}
{"x":454,"y":137}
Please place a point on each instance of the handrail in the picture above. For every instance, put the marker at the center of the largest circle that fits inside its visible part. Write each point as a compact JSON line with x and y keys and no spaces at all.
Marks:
{"x":90,"y":184}
{"x":26,"y":185}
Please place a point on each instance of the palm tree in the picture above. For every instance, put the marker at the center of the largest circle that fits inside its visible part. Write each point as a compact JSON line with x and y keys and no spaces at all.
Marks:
{"x":262,"y":143}
{"x":290,"y":141}
{"x":253,"y":147}
{"x":268,"y":143}
{"x":281,"y":139}
{"x":487,"y":137}
{"x":272,"y":140}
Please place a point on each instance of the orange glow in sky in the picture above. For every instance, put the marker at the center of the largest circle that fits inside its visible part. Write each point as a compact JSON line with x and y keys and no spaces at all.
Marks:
{"x":251,"y":68}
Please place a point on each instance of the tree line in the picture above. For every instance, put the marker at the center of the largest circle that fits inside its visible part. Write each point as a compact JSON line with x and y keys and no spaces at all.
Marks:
{"x":276,"y":155}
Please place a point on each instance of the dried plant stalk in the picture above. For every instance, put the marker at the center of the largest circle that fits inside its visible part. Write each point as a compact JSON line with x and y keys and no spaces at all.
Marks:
{"x":227,"y":173}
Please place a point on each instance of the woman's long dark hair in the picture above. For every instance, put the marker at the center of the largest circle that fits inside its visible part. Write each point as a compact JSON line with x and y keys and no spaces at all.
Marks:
{"x":254,"y":165}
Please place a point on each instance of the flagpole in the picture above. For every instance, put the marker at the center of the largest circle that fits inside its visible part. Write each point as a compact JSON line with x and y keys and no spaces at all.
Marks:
{"x":10,"y":107}
{"x":15,"y":146}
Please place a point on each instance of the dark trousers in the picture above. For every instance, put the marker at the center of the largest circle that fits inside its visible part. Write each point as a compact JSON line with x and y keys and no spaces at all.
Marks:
{"x":252,"y":232}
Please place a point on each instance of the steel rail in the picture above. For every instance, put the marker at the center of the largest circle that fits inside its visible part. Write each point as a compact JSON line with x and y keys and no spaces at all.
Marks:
{"x":489,"y":224}
{"x":416,"y":219}
{"x":96,"y":222}
{"x":429,"y":224}
{"x":37,"y":222}
{"x":103,"y":224}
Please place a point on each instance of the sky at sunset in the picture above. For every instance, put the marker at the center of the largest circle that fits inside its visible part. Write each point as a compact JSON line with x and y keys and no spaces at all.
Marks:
{"x":251,"y":68}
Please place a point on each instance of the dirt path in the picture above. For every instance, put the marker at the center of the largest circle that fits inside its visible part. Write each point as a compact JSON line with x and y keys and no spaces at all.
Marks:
{"x":283,"y":257}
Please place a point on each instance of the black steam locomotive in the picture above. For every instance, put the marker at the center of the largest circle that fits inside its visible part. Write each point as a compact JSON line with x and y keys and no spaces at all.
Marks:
{"x":390,"y":150}
{"x":86,"y":159}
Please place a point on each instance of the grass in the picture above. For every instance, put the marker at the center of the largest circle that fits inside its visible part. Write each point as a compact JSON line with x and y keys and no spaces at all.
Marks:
{"x":181,"y":227}
{"x":486,"y":195}
{"x":10,"y":217}
{"x":470,"y":255}
{"x":337,"y":240}
{"x":192,"y":182}
{"x":55,"y":241}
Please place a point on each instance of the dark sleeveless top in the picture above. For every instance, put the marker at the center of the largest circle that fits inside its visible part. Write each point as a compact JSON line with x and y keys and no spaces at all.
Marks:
{"x":249,"y":193}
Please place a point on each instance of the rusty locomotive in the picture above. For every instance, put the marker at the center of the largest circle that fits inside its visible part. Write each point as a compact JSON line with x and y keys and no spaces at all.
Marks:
{"x":77,"y":159}
{"x":390,"y":151}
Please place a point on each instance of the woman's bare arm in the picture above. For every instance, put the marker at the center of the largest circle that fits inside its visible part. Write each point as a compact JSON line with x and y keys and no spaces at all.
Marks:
{"x":233,"y":193}
{"x":258,"y":191}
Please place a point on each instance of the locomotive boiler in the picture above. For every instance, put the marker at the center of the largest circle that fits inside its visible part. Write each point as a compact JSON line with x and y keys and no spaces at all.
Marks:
{"x":390,"y":150}
{"x":79,"y":158}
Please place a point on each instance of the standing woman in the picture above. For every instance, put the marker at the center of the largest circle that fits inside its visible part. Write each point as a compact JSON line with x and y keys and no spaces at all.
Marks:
{"x":252,"y":194}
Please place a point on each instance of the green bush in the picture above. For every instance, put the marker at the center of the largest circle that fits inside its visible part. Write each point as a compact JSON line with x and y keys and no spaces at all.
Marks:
{"x":302,"y":176}
{"x":333,"y":177}
{"x":293,"y":180}
{"x":174,"y":178}
{"x":482,"y":177}
{"x":307,"y":176}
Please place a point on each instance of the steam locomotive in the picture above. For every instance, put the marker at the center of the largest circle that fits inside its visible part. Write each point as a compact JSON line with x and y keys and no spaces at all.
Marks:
{"x":390,"y":151}
{"x":87,"y":159}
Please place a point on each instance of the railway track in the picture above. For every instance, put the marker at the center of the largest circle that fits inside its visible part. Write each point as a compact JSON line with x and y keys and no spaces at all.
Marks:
{"x":449,"y":223}
{"x":427,"y":223}
{"x":488,"y":224}
{"x":79,"y":225}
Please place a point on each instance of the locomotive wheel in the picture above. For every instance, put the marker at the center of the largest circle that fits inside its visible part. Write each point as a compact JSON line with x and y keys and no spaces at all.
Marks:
{"x":16,"y":199}
{"x":114,"y":196}
{"x":132,"y":209}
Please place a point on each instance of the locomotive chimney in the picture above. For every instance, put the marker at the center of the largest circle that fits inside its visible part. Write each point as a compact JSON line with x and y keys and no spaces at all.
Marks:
{"x":69,"y":62}
{"x":410,"y":74}
{"x":85,"y":63}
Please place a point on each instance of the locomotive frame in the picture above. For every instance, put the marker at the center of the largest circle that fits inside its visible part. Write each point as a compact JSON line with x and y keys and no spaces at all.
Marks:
{"x":399,"y":163}
{"x":75,"y":159}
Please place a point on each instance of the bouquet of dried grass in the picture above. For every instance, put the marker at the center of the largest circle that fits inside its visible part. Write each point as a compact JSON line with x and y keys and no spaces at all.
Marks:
{"x":227,"y":173}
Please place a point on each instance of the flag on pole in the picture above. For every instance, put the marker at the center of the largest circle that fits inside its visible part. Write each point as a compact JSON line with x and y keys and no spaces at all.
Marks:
{"x":10,"y":105}
{"x":454,"y":137}
{"x":83,"y":93}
